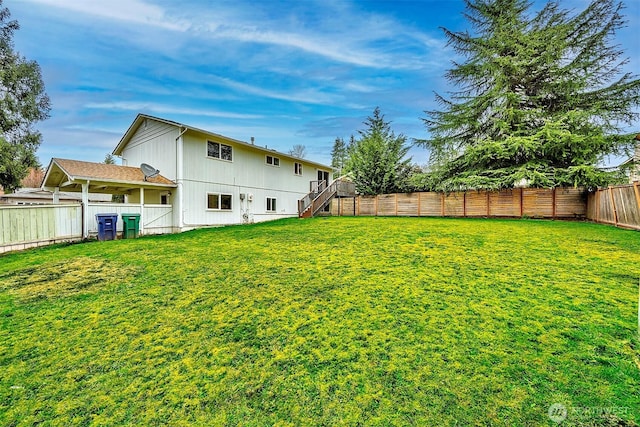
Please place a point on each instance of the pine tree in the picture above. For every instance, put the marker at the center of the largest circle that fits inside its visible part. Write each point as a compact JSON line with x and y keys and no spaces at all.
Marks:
{"x":338,"y":157}
{"x":376,"y":160}
{"x":540,"y":100}
{"x":22,"y":103}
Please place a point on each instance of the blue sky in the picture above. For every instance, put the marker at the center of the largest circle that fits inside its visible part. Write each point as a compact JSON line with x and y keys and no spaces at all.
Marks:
{"x":286,"y":72}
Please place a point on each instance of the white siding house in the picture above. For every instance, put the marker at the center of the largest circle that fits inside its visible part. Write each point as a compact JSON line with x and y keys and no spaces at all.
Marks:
{"x":218,"y":180}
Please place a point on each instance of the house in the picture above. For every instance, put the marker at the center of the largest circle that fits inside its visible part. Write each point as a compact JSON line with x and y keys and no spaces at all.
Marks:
{"x":219,"y":180}
{"x":206,"y":178}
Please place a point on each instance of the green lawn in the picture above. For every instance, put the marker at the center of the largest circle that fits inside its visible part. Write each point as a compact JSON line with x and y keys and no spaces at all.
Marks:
{"x":328,"y":321}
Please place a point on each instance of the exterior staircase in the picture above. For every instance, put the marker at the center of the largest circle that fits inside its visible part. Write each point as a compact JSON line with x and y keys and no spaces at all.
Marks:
{"x":321,"y":195}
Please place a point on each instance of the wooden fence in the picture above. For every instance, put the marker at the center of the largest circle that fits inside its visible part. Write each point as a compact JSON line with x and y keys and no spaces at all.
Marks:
{"x":619,"y":206}
{"x":515,"y":203}
{"x":24,"y":227}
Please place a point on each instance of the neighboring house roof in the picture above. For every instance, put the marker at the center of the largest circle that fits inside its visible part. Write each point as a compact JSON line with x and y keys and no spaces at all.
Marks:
{"x":103,"y":178}
{"x":34,"y":195}
{"x":140,"y":118}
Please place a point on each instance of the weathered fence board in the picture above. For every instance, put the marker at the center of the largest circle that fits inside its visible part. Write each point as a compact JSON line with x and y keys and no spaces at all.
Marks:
{"x":617,"y":205}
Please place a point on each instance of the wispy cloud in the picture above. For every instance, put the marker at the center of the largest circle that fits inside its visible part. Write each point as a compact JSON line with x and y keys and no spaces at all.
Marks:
{"x":309,"y":96}
{"x":164,"y":109}
{"x":333,"y":37}
{"x":133,"y":11}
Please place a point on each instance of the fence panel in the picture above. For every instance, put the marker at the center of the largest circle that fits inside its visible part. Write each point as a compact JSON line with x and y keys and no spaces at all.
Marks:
{"x":23,"y":227}
{"x":407,"y":204}
{"x":430,"y":204}
{"x":454,"y":204}
{"x":570,"y":203}
{"x":504,"y":203}
{"x":158,"y":219}
{"x":477,"y":203}
{"x":617,"y":205}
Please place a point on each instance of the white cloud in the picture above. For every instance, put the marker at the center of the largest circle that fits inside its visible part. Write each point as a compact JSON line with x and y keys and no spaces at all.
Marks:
{"x":340,"y":33}
{"x":309,"y":96}
{"x":163,"y":109}
{"x":134,"y":11}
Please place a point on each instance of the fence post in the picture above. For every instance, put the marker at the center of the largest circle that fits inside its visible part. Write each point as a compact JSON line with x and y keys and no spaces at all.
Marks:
{"x":488,"y":203}
{"x":442,"y":204}
{"x":597,"y":197}
{"x":375,"y":203}
{"x":613,"y":206}
{"x":636,"y":190}
{"x":419,"y":207}
{"x":521,"y":202}
{"x":396,"y":204}
{"x":553,"y":203}
{"x":464,"y":204}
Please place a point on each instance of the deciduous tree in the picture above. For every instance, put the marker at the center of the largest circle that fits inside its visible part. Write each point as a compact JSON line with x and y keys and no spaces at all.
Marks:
{"x":23,"y":102}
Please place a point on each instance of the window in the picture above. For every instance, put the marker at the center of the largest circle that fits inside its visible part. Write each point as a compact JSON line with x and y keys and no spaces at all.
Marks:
{"x":219,"y":202}
{"x":219,"y":151}
{"x":271,"y":204}
{"x":297,"y":168}
{"x":164,"y":199}
{"x":273,"y":161}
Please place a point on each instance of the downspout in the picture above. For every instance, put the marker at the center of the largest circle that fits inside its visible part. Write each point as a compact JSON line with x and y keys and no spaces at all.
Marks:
{"x":179,"y":200}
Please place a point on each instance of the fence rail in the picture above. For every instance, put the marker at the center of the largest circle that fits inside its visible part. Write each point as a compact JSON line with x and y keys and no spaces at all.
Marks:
{"x":518,"y":202}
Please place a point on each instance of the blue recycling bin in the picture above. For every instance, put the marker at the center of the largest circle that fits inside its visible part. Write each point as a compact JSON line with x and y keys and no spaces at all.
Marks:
{"x":107,"y":226}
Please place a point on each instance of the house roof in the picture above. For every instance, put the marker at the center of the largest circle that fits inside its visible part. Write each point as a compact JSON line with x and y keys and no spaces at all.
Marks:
{"x":140,"y":118}
{"x":71,"y":174}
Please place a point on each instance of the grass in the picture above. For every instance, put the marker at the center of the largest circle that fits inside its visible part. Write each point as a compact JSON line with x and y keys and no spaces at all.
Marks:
{"x":338,"y":321}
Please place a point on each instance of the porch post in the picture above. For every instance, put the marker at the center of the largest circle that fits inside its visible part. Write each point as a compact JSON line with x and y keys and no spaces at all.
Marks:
{"x":85,"y":210}
{"x":141,"y":210}
{"x":56,"y":196}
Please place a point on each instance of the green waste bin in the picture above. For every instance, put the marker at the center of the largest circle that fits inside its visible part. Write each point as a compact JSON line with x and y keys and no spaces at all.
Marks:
{"x":130,"y":225}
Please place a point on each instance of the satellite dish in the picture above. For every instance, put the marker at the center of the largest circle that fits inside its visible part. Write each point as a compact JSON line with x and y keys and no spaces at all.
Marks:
{"x":148,"y":171}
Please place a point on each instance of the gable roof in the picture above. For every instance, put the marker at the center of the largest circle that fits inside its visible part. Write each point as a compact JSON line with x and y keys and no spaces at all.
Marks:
{"x":140,"y":118}
{"x":103,"y":178}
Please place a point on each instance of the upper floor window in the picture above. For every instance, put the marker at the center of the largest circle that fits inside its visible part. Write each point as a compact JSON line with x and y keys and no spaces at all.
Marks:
{"x":274,"y":161}
{"x":297,"y":168}
{"x":219,"y":151}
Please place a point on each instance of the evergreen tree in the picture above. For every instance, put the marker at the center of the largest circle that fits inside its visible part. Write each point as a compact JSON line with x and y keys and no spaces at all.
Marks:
{"x":109,"y":159}
{"x":338,"y":156}
{"x":540,"y":100}
{"x":22,"y":103}
{"x":376,"y":160}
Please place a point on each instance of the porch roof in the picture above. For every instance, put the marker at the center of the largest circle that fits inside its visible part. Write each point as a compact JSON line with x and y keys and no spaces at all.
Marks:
{"x":69,"y":175}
